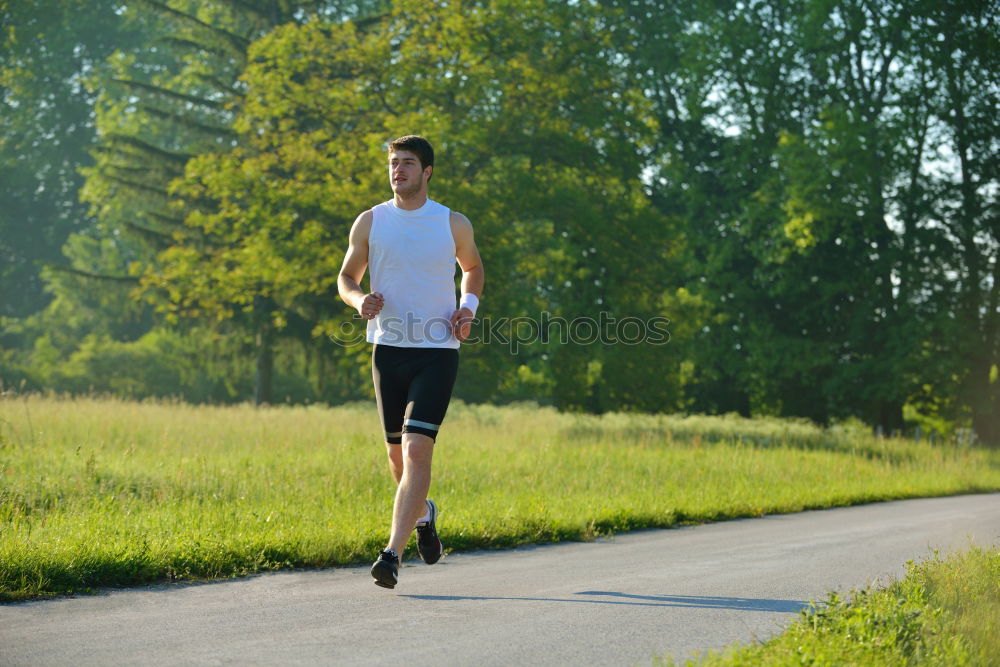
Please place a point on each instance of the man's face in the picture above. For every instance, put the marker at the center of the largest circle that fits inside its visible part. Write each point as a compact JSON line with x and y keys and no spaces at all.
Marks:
{"x":405,"y":174}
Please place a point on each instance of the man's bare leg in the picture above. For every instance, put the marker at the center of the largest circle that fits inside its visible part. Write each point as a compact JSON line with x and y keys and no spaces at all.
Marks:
{"x":411,"y":494}
{"x":395,"y":454}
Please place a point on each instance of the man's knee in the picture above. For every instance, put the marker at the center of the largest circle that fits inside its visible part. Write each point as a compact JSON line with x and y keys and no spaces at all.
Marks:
{"x":417,"y":448}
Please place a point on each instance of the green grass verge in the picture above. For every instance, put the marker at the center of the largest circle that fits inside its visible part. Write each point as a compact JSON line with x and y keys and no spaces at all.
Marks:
{"x":105,"y":492}
{"x":944,"y":612}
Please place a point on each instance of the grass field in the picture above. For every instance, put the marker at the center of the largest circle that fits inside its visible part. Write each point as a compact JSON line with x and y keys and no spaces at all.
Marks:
{"x":945,"y":612}
{"x":103,"y":492}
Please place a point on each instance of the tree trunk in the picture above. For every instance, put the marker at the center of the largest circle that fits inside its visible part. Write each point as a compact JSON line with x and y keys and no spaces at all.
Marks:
{"x":890,"y":416}
{"x":320,"y":374}
{"x":265,"y":364}
{"x":984,"y":399}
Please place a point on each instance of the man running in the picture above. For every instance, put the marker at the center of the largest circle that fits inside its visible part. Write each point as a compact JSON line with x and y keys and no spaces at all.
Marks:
{"x":411,"y":244}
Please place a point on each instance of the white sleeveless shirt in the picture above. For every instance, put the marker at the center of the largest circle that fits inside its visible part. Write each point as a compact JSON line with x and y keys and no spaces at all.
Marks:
{"x":411,"y":262}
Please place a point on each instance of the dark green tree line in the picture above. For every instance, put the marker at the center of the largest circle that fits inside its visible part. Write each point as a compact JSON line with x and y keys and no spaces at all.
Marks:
{"x":807,"y":147}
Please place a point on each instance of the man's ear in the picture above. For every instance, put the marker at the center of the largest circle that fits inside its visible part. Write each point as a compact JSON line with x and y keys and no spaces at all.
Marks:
{"x":429,"y":170}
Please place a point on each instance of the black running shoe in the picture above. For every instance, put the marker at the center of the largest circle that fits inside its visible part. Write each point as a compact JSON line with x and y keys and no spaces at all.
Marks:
{"x":386,"y":570}
{"x":428,"y":545}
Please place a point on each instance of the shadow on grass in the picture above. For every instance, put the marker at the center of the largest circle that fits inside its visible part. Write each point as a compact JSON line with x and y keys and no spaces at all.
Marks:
{"x":695,"y":601}
{"x":741,"y":434}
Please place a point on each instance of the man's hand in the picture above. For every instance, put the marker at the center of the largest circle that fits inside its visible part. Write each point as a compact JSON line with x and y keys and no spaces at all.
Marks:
{"x":371,"y":305}
{"x":461,"y":323}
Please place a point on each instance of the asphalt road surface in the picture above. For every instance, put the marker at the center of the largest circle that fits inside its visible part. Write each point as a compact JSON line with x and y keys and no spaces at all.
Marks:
{"x":611,"y":602}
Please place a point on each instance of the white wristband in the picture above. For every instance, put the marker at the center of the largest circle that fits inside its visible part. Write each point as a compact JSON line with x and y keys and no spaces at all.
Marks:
{"x":470,"y":301}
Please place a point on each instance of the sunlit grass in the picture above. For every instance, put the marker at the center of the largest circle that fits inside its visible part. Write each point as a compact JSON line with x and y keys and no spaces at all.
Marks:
{"x":944,"y":613}
{"x":97,"y":492}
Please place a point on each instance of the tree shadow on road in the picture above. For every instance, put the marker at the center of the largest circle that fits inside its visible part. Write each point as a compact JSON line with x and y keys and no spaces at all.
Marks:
{"x":696,"y":601}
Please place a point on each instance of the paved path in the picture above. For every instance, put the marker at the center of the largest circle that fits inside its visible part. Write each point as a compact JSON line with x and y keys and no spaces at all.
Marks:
{"x":611,"y":602}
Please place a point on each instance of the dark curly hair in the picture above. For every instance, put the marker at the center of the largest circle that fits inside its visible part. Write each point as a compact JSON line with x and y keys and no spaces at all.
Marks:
{"x":416,"y":145}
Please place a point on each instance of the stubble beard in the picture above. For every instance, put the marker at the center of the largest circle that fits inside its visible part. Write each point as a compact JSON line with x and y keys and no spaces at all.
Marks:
{"x":408,"y":189}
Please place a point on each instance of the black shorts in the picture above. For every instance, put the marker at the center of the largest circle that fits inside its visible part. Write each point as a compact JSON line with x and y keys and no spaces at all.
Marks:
{"x":412,"y":388}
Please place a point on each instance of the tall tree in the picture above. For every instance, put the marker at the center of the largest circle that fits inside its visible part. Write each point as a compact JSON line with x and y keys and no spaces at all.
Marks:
{"x":160,"y":107}
{"x":537,"y":145}
{"x":48,"y":50}
{"x":961,"y":49}
{"x":795,"y":144}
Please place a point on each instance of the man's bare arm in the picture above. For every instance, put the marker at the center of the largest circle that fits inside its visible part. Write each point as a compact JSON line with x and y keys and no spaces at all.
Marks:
{"x":353,"y":270}
{"x":473,"y":274}
{"x":467,"y":254}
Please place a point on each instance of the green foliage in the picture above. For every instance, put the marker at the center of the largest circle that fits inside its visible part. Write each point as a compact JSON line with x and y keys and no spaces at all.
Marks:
{"x":944,"y":612}
{"x":111,"y":492}
{"x":821,"y":223}
{"x":47,"y":49}
{"x":805,"y":188}
{"x":201,"y":365}
{"x":520,"y":147}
